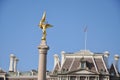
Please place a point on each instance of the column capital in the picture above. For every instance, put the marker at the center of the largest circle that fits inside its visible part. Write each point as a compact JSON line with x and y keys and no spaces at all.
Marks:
{"x":12,"y":56}
{"x":43,"y":47}
{"x":16,"y":59}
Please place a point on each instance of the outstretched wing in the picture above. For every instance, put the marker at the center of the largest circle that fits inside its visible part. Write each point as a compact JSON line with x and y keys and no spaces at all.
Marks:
{"x":49,"y":25}
{"x":44,"y":17}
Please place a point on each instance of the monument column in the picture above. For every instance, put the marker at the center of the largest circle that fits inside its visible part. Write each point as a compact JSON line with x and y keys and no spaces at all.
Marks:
{"x":43,"y":48}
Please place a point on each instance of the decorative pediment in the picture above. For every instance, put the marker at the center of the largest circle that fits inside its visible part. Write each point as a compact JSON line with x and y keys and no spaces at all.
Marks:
{"x":84,"y":72}
{"x":81,"y":71}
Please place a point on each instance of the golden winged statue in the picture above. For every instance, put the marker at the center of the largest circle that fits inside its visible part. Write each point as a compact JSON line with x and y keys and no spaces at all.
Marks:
{"x":44,"y":25}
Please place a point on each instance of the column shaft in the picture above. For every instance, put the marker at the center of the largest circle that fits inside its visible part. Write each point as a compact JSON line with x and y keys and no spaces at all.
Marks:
{"x":42,"y":67}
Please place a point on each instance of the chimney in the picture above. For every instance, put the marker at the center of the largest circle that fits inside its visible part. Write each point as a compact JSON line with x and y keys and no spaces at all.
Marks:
{"x":116,"y":57}
{"x":18,"y":73}
{"x":15,"y":64}
{"x":12,"y":56}
{"x":56,"y":59}
{"x":106,"y":55}
{"x":62,"y":57}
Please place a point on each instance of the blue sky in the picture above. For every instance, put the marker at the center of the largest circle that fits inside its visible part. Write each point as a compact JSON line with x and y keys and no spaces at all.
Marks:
{"x":20,"y":34}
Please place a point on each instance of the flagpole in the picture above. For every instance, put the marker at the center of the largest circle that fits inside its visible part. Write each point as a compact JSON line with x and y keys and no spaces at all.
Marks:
{"x":85,"y":40}
{"x":85,"y":36}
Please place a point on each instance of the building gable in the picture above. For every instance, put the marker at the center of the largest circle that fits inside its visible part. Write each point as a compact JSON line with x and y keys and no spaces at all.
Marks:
{"x":113,"y":71}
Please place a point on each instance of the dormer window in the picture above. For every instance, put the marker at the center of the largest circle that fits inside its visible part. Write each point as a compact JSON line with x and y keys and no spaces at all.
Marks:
{"x":64,"y":70}
{"x":112,"y":74}
{"x":83,"y":65}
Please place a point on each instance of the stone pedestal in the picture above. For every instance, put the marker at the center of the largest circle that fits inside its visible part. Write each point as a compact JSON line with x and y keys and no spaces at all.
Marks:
{"x":43,"y":48}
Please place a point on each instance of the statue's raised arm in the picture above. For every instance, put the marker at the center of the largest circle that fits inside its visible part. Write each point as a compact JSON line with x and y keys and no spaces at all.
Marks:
{"x":43,"y":25}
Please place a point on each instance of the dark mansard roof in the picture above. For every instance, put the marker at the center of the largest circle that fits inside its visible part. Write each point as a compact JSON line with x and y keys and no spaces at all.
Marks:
{"x":94,"y":63}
